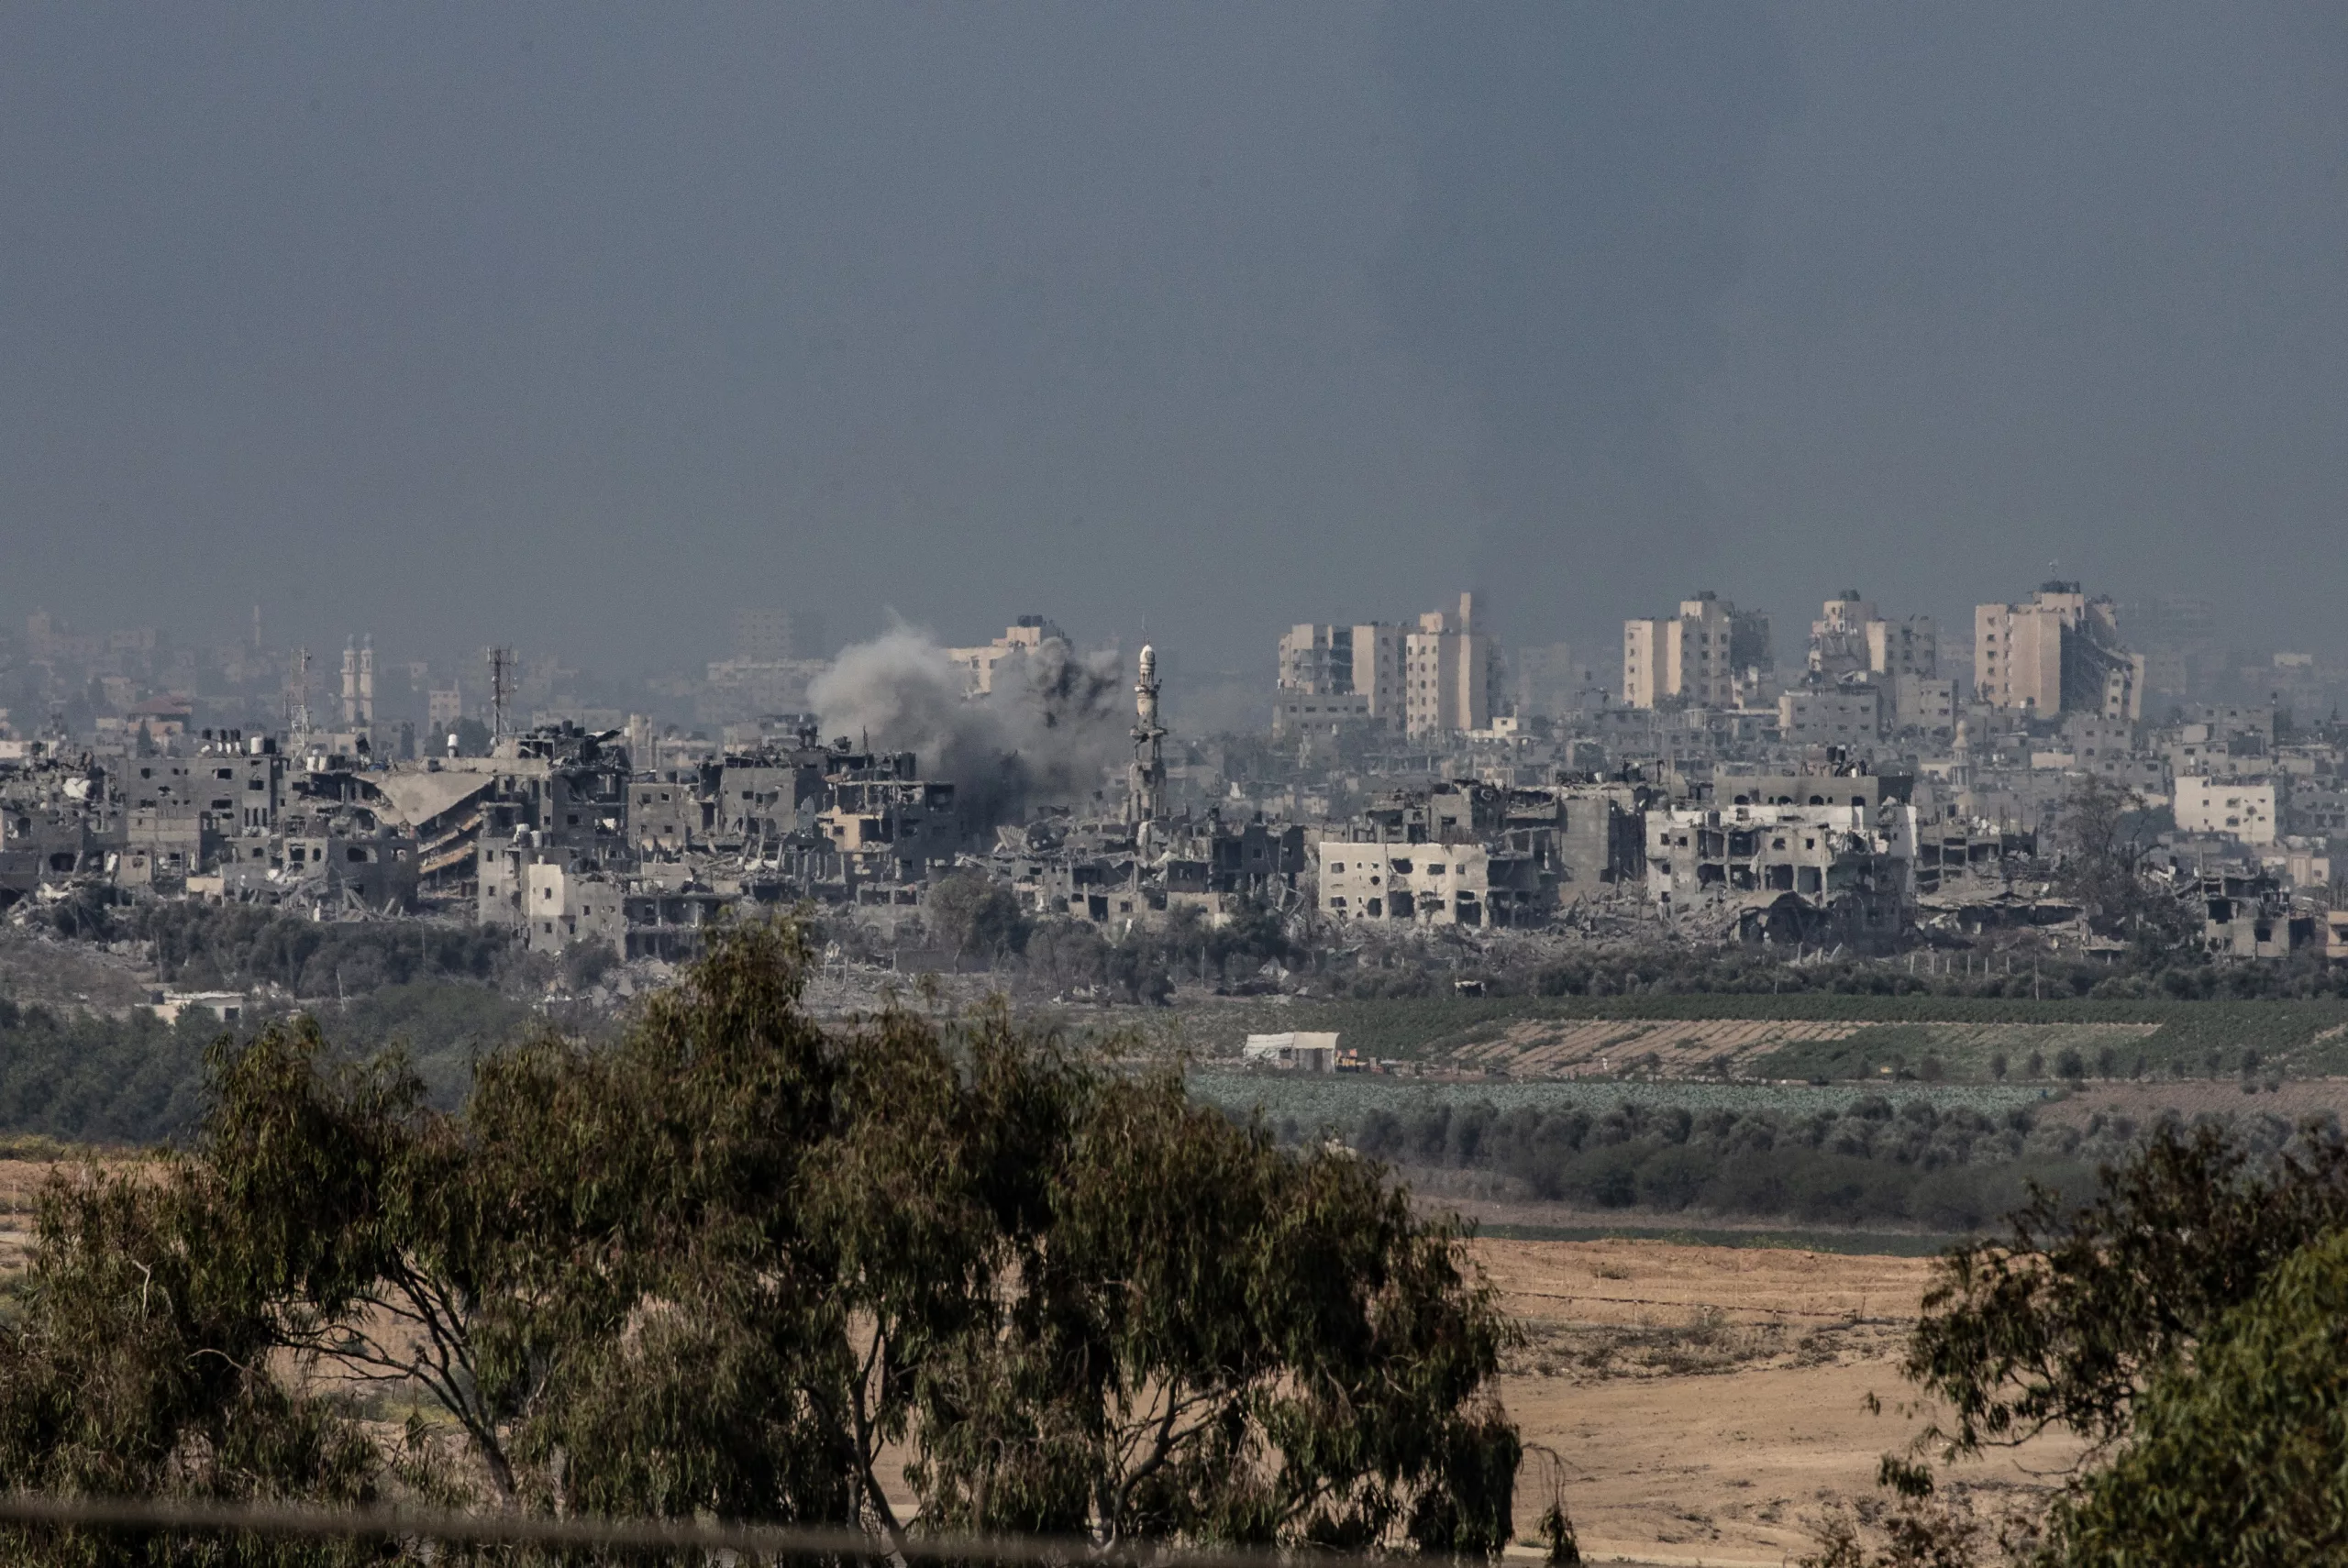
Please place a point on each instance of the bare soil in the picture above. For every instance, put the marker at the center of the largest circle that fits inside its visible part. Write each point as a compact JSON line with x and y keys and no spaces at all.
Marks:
{"x":2293,"y":1099}
{"x":1705,"y":1403}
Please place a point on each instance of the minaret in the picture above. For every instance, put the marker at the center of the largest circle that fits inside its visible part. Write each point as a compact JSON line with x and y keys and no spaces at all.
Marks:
{"x":1145,"y":789}
{"x":349,"y":685}
{"x":297,"y":694}
{"x":367,"y":683}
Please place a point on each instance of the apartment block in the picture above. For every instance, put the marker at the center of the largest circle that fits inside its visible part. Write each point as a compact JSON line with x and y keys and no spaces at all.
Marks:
{"x":1435,"y":677}
{"x":2233,"y":808}
{"x":1022,"y":637}
{"x":1840,"y":714}
{"x":1447,"y":669}
{"x":1697,"y":655}
{"x":1362,"y":661}
{"x":2059,"y":653}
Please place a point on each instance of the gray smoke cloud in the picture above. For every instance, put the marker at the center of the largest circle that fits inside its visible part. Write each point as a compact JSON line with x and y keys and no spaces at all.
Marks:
{"x":1584,"y":175}
{"x":1044,"y":737}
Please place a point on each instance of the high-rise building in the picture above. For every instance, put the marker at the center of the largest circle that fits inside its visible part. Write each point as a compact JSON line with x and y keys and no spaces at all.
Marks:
{"x":2059,"y":653}
{"x":765,"y":634}
{"x":1447,"y":669}
{"x":1021,"y":637}
{"x":1699,"y":654}
{"x":1838,"y":639}
{"x":1852,"y":642}
{"x":1430,"y":677}
{"x":1363,"y":660}
{"x":1548,"y":682}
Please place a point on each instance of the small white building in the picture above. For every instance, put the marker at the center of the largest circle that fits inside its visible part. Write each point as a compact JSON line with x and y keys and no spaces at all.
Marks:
{"x":1299,"y":1051}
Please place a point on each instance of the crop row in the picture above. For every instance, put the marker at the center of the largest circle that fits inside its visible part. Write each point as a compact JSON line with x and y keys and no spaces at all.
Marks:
{"x":1314,"y":1101}
{"x":2309,"y":1035}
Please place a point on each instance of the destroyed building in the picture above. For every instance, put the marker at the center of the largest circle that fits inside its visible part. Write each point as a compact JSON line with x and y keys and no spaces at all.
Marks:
{"x":1471,"y":854}
{"x":1786,"y":874}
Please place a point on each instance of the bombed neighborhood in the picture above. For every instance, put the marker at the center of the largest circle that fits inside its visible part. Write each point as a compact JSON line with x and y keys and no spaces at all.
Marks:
{"x":1204,"y":786}
{"x":1886,"y":788}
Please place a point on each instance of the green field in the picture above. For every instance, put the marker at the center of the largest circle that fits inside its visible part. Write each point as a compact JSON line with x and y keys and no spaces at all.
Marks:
{"x":1314,"y":1101}
{"x":1966,"y":1034}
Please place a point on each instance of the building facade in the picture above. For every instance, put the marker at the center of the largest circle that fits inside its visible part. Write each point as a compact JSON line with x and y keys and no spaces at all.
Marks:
{"x":2059,"y":653}
{"x":1702,"y":655}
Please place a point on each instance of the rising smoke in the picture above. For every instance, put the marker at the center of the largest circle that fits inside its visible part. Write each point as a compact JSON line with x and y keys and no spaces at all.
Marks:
{"x":1584,"y":176}
{"x":1044,"y":737}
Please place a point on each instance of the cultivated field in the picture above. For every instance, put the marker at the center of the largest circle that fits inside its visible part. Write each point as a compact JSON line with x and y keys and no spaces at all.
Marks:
{"x":1804,"y":1035}
{"x":1705,"y":1403}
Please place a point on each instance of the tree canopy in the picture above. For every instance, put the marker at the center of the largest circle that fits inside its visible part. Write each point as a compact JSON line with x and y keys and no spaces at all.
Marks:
{"x":2238,"y":1458}
{"x":733,"y":1261}
{"x":2185,"y":1323}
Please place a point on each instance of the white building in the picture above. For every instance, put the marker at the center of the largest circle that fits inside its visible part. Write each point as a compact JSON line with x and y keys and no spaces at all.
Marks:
{"x":1831,"y":715}
{"x":980,"y":664}
{"x":1301,"y":1051}
{"x":1447,"y":669}
{"x":1697,"y":655}
{"x":2235,"y":808}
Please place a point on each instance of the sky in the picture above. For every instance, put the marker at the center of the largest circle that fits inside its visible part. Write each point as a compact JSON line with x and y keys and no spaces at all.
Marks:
{"x":579,"y":327}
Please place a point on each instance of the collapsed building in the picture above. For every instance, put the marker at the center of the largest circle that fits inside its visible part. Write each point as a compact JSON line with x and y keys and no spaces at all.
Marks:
{"x":1786,"y":873}
{"x":1486,"y":855}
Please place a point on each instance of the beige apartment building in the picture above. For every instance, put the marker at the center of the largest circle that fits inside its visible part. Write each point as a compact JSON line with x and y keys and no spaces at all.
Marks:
{"x":1432,"y":677}
{"x":1697,"y":655}
{"x":1447,"y":673}
{"x":1029,"y":634}
{"x":1361,"y":664}
{"x":2059,"y":653}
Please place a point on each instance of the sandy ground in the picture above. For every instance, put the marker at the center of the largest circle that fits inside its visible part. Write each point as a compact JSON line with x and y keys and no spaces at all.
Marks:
{"x":1705,"y":1403}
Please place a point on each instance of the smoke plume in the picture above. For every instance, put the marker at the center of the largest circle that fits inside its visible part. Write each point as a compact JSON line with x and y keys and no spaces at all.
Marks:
{"x":1584,"y":176}
{"x":1044,"y":736}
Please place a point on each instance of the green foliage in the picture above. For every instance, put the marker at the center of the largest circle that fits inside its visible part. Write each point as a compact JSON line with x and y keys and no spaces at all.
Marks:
{"x":2237,"y":1457}
{"x":1336,"y":1102}
{"x":92,"y":1079}
{"x":2308,"y":1034}
{"x":1944,"y":1168}
{"x":972,"y":915}
{"x":238,"y":946}
{"x":134,"y":1365}
{"x":2065,"y":1321}
{"x":2101,"y":840}
{"x":2185,"y":1323}
{"x":718,"y":1264}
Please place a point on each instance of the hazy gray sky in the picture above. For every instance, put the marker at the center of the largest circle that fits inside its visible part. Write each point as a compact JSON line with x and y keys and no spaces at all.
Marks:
{"x":578,"y":326}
